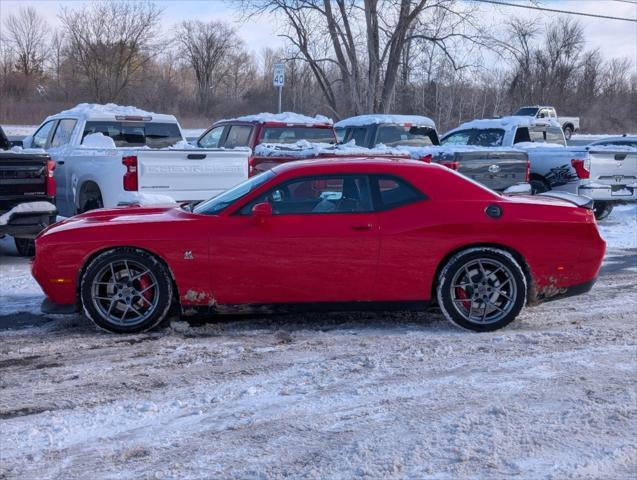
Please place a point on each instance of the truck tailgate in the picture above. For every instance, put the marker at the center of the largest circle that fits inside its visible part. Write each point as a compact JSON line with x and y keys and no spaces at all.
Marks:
{"x":616,"y":168}
{"x":23,"y":177}
{"x":191,"y":174}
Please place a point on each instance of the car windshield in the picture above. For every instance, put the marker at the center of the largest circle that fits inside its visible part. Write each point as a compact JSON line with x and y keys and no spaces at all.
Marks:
{"x":406,"y":135}
{"x":483,"y":137}
{"x":285,"y":134}
{"x":526,"y":112}
{"x":220,"y":202}
{"x":137,"y":134}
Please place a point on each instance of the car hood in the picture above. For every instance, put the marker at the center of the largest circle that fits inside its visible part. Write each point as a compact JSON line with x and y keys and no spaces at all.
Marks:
{"x":118,"y":216}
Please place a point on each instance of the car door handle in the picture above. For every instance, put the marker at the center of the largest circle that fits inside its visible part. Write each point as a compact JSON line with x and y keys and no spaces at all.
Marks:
{"x":362,"y":227}
{"x":60,"y":162}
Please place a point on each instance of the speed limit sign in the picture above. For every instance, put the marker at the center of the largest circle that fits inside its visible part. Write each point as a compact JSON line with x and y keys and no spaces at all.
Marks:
{"x":278,"y":78}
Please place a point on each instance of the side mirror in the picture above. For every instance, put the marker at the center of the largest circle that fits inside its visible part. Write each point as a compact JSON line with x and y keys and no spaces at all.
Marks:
{"x":542,"y":115}
{"x":27,"y":141}
{"x":261,"y":211}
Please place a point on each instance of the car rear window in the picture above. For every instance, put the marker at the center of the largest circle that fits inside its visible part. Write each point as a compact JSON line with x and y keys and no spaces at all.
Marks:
{"x":483,"y":137}
{"x":286,"y":134}
{"x":136,"y":134}
{"x":406,"y":135}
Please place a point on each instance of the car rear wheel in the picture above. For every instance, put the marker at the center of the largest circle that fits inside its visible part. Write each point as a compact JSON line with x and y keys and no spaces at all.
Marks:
{"x":126,"y":291}
{"x":538,"y":186}
{"x":481,"y":289}
{"x":25,"y":246}
{"x":568,"y":132}
{"x":602,"y":209}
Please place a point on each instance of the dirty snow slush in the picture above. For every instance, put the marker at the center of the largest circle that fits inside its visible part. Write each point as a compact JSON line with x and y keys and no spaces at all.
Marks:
{"x":364,"y":395}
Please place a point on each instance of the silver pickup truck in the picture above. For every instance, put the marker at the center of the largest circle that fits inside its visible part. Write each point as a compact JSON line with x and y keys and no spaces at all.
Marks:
{"x":568,"y":124}
{"x":501,"y":169}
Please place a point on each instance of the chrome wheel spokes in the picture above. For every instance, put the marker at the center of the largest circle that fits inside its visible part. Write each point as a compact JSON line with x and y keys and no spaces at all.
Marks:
{"x":483,"y":291}
{"x":125,"y":292}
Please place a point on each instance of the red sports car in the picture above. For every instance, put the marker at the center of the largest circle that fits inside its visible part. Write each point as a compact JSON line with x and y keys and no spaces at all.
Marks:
{"x":337,"y":233}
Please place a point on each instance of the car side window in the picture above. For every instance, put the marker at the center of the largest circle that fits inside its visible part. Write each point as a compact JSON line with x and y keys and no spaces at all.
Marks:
{"x":42,"y":135}
{"x":212,"y":138}
{"x":238,"y":136}
{"x":314,"y":195}
{"x":538,"y":134}
{"x":63,"y":132}
{"x":359,"y":135}
{"x":522,"y":135}
{"x":394,"y":192}
{"x":555,"y":135}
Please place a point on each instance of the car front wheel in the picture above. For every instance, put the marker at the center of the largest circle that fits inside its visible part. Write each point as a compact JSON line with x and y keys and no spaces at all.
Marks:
{"x":126,"y":291}
{"x":481,"y":289}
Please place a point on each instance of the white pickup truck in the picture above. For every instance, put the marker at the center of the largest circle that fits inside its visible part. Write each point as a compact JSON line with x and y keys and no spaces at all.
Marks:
{"x":108,"y":155}
{"x":606,"y":174}
{"x":568,"y":124}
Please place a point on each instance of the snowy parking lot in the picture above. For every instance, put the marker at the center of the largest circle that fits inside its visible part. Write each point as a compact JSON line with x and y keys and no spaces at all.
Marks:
{"x":342,"y":395}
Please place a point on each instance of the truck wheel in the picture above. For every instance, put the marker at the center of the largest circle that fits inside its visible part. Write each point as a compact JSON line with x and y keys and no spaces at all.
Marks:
{"x":602,"y":209}
{"x":90,"y":198}
{"x":126,"y":291}
{"x":481,"y":289}
{"x":538,"y":186}
{"x":568,"y":132}
{"x":25,"y":246}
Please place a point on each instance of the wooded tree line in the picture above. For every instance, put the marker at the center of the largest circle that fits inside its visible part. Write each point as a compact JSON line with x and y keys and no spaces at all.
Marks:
{"x":343,"y":57}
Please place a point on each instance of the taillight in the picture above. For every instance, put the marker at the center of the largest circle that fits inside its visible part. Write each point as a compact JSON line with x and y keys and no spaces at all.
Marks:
{"x":451,"y":165}
{"x":580,"y":167}
{"x":528,"y":171}
{"x":427,"y":158}
{"x":130,"y":177}
{"x":50,"y":179}
{"x":250,"y":166}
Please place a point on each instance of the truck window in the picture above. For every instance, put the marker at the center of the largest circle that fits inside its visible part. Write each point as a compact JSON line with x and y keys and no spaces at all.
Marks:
{"x":238,"y":136}
{"x":136,"y":134}
{"x":484,"y":137}
{"x":63,"y":132}
{"x":285,"y":134}
{"x":538,"y":134}
{"x":522,"y":135}
{"x":212,"y":138}
{"x":42,"y":135}
{"x":406,"y":135}
{"x":555,"y":135}
{"x":359,"y":135}
{"x":526,"y":112}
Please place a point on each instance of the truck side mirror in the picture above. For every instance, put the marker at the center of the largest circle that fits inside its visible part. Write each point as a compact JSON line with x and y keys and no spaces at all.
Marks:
{"x":542,"y":115}
{"x":261,"y":212}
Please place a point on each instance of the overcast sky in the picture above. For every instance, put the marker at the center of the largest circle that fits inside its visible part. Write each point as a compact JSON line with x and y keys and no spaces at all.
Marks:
{"x":613,"y":38}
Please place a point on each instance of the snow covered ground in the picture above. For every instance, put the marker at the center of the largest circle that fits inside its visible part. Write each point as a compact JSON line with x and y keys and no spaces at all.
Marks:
{"x":343,"y":395}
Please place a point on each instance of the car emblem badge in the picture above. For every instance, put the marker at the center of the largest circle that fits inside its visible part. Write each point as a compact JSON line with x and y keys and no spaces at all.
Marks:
{"x":618,"y":178}
{"x":188,"y":255}
{"x":494,"y":168}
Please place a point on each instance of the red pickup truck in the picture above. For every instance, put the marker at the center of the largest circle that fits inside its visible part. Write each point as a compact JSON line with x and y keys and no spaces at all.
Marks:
{"x":277,"y":138}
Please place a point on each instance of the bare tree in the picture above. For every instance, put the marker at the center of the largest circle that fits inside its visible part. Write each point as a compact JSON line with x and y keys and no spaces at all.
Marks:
{"x":27,"y":33}
{"x":111,"y":42}
{"x":207,"y":48}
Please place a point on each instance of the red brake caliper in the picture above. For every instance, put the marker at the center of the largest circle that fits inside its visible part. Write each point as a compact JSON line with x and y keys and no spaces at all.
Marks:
{"x":144,"y":282}
{"x":461,"y":293}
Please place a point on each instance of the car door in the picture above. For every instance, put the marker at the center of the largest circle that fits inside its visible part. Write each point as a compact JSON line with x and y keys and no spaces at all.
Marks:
{"x":57,"y":147}
{"x":319,"y":245}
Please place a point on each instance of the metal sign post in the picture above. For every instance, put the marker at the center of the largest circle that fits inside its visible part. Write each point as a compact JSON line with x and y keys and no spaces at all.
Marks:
{"x":278,"y":79}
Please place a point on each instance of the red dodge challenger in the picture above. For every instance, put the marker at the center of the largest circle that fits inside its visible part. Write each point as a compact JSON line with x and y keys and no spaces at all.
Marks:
{"x":354,"y":234}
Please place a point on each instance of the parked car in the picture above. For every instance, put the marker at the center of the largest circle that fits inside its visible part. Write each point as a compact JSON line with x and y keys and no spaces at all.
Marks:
{"x":506,"y":168}
{"x":569,"y":124}
{"x":577,"y":170}
{"x":251,"y":131}
{"x":620,"y":140}
{"x":27,"y":194}
{"x":107,"y":155}
{"x":352,"y":233}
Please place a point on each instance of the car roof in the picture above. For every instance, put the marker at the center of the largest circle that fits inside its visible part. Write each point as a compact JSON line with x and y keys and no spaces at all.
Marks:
{"x":375,"y":119}
{"x":355,"y":164}
{"x":111,"y":112}
{"x":284,"y":118}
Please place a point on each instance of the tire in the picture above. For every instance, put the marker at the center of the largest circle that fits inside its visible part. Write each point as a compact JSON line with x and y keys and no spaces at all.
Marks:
{"x":25,"y":246}
{"x":475,"y":305}
{"x":602,"y":209}
{"x":90,"y":200}
{"x":126,"y":291}
{"x":568,"y":132}
{"x":538,"y":186}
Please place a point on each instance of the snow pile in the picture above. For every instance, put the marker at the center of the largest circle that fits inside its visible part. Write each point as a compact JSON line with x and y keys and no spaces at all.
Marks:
{"x":540,"y":145}
{"x":611,"y":148}
{"x":137,"y":198}
{"x":374,"y":119}
{"x":30,"y":207}
{"x":98,"y":140}
{"x":109,"y":109}
{"x":305,"y":149}
{"x":32,"y":151}
{"x":285,"y":117}
{"x":619,"y":229}
{"x":437,"y":151}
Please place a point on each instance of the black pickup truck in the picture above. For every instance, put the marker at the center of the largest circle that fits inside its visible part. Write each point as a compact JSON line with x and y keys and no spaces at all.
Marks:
{"x":27,"y":194}
{"x":503,"y":170}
